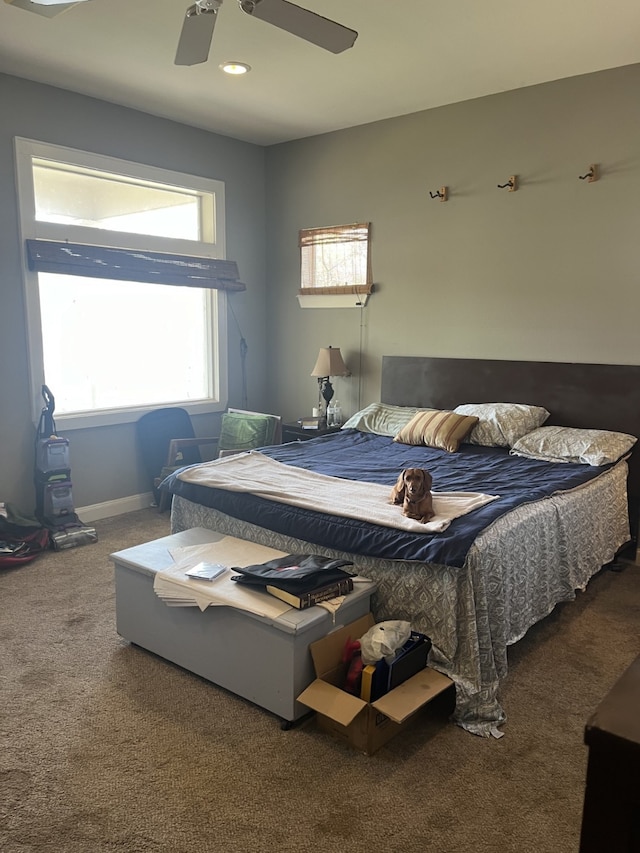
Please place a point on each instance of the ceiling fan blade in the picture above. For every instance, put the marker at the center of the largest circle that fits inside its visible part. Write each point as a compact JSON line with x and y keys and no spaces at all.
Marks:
{"x":301,"y":22}
{"x":55,"y":2}
{"x":196,"y":35}
{"x":45,"y":11}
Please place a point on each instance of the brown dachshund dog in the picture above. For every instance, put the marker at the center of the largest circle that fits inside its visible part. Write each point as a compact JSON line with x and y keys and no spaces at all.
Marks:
{"x":413,"y":491}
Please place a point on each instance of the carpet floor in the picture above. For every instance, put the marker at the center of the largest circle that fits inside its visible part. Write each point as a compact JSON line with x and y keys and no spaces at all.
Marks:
{"x":106,"y":747}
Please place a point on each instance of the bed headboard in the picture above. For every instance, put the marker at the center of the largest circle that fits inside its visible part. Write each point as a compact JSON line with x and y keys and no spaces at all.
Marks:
{"x":600,"y":396}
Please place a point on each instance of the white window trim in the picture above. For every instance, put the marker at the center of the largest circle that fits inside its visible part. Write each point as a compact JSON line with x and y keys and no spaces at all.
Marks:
{"x":333,"y":300}
{"x":25,"y":150}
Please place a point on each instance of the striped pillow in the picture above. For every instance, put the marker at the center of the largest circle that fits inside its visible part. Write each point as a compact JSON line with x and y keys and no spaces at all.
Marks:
{"x":436,"y":428}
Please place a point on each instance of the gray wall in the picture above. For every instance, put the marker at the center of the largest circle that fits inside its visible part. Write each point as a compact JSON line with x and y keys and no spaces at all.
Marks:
{"x":104,"y":465}
{"x":550,"y":272}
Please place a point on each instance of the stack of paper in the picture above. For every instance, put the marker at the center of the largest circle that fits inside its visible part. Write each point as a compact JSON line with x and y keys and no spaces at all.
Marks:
{"x":177,"y":590}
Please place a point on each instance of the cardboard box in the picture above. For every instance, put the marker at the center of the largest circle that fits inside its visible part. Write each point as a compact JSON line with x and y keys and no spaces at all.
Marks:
{"x":365,"y":726}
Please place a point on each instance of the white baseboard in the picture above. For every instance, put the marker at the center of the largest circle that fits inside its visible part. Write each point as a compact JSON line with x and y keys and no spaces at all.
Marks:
{"x":120,"y":506}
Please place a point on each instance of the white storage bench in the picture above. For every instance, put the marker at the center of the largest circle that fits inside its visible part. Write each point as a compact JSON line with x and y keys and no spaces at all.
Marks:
{"x":264,"y":660}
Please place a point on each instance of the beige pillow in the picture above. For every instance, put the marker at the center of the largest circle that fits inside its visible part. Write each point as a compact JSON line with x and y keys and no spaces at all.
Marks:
{"x":502,"y":424}
{"x":569,"y":444}
{"x":437,"y":428}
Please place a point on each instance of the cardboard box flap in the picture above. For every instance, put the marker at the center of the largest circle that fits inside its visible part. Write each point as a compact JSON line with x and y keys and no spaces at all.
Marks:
{"x":412,"y":694}
{"x":326,"y":653}
{"x":332,"y":702}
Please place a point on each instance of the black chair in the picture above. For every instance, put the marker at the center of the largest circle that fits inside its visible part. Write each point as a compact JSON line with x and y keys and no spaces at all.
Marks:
{"x":167,"y":441}
{"x":155,"y":433}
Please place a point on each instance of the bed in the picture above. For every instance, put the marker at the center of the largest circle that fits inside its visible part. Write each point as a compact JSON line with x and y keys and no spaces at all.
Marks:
{"x":539,"y":531}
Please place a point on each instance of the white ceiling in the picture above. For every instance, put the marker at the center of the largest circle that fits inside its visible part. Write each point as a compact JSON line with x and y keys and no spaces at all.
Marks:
{"x":410,"y":55}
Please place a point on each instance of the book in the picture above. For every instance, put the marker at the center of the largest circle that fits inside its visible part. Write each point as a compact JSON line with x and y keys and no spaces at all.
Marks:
{"x":375,"y":679}
{"x":303,"y":600}
{"x":366,"y":683}
{"x":379,"y":678}
{"x":411,"y":658}
{"x":206,"y":571}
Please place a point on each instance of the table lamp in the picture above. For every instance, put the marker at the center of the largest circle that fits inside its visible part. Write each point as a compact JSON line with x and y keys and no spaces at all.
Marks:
{"x":329,"y":363}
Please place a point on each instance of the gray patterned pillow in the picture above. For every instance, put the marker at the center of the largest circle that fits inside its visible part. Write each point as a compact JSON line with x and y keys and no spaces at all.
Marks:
{"x":502,"y":424}
{"x":381,"y":418}
{"x":568,"y":444}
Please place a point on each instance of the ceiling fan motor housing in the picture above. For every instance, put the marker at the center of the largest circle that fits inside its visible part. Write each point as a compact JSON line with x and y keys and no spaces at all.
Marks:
{"x":207,"y":6}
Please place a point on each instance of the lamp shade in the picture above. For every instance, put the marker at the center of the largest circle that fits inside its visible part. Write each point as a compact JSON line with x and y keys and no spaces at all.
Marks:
{"x":330,"y":363}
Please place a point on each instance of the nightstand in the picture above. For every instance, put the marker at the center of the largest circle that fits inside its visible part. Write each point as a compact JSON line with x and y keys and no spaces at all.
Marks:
{"x":294,"y":432}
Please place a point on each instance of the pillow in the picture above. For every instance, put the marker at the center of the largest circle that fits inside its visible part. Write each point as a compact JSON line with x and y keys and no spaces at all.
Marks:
{"x":502,"y":424}
{"x":381,"y":418}
{"x":436,"y":428}
{"x":568,"y":444}
{"x":243,"y":432}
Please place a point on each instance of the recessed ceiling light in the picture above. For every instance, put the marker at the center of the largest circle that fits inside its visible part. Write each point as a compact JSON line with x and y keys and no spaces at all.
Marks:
{"x":235,"y":67}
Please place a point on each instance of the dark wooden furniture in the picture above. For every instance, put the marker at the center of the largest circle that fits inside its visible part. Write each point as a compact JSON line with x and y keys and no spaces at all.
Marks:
{"x":295,"y":432}
{"x":611,"y":814}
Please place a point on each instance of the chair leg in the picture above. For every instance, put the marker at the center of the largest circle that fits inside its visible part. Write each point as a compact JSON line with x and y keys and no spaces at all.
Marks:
{"x":165,"y":500}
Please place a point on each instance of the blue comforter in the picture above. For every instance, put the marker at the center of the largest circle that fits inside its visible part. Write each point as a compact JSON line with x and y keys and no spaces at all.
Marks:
{"x":356,"y":455}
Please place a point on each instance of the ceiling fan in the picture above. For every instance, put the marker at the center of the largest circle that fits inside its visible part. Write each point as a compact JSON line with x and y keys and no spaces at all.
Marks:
{"x":200,"y":20}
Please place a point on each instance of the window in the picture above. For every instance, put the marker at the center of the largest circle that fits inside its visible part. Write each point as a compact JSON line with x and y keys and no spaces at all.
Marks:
{"x":335,"y":260}
{"x":107,"y":241}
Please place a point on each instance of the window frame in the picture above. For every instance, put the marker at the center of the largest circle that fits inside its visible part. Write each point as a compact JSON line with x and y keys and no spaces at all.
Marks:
{"x":212,"y":245}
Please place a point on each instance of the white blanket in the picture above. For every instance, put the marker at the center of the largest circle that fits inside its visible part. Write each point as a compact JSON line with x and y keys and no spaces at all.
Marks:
{"x":260,"y":475}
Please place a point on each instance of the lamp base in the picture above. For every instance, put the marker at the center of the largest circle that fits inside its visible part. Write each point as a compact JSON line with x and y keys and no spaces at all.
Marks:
{"x":326,"y":389}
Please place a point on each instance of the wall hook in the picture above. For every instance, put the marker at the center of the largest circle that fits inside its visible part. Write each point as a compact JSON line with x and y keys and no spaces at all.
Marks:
{"x":592,"y":174}
{"x":512,"y":183}
{"x":442,"y":194}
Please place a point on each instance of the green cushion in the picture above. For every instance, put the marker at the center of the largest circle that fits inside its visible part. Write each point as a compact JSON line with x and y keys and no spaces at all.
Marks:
{"x":245,"y":432}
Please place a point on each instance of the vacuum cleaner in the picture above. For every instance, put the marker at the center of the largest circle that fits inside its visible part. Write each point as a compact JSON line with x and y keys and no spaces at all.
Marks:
{"x":54,"y":489}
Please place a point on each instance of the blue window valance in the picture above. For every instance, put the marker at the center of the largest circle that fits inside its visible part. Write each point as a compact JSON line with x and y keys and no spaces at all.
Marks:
{"x":132,"y":265}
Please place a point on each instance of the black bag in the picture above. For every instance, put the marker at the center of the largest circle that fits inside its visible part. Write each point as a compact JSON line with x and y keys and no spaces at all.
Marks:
{"x":294,"y":573}
{"x":20,"y":543}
